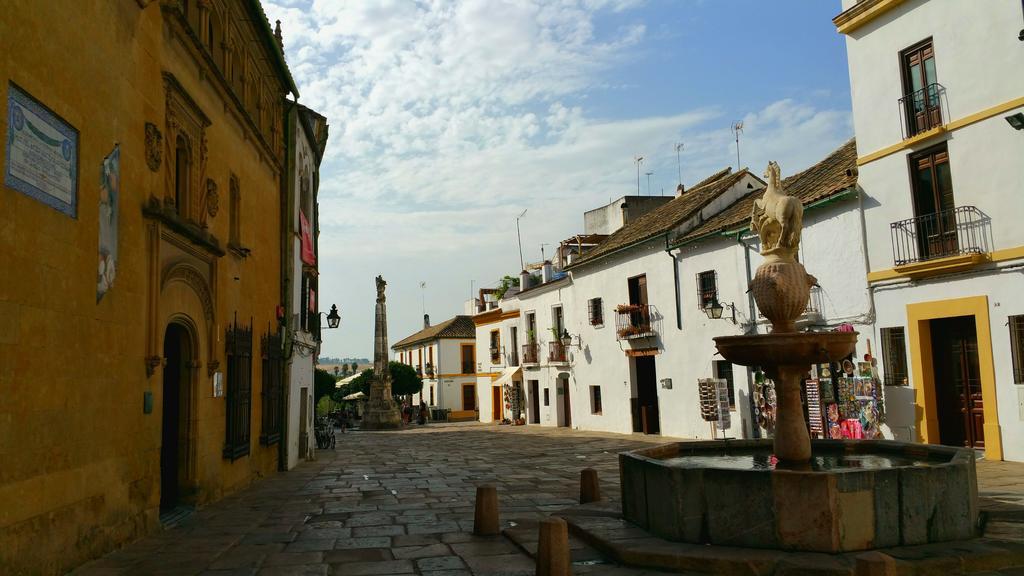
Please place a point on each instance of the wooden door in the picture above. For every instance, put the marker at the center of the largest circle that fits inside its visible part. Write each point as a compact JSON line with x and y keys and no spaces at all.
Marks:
{"x":960,"y":407}
{"x":934,"y":206}
{"x":920,"y":88}
{"x":566,"y":405}
{"x":496,"y":407}
{"x":469,"y":397}
{"x":647,"y":395}
{"x":535,"y":401}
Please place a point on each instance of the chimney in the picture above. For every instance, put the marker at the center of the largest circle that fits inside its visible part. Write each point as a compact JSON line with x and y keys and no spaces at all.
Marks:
{"x":524,"y":280}
{"x":625,"y":217}
{"x":426,"y":321}
{"x":277,"y":36}
{"x":546,"y":272}
{"x":680,"y":190}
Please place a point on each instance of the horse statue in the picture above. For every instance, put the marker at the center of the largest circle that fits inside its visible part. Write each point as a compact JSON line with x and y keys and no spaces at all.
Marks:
{"x":777,"y":217}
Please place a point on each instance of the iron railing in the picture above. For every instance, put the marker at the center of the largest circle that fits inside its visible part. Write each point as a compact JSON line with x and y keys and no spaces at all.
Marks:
{"x":952,"y":232}
{"x":530,"y":353}
{"x":922,"y":110}
{"x":634,"y":321}
{"x":557,"y":352}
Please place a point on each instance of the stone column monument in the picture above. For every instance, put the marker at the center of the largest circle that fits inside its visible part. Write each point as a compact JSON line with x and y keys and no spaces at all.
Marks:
{"x":381,"y":410}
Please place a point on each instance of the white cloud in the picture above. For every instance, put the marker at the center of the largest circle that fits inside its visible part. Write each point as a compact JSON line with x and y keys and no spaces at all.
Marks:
{"x":449,"y":118}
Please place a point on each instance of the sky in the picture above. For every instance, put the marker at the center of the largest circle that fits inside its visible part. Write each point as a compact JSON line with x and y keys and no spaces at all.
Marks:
{"x":449,"y":118}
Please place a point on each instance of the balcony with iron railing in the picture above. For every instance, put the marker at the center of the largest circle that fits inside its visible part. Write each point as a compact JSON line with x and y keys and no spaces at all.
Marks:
{"x":531,"y":353}
{"x":923,"y":110}
{"x":557,"y":353}
{"x":959,"y":231}
{"x":634,"y":321}
{"x":429,"y":370}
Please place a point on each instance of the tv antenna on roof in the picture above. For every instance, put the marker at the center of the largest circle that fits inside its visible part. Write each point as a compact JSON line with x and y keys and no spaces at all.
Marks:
{"x":639,"y":160}
{"x":679,"y":166}
{"x":737,"y":129}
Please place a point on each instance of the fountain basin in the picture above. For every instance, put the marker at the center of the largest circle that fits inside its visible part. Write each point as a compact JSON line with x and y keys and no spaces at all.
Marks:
{"x":852,"y":495}
{"x":787,"y":348}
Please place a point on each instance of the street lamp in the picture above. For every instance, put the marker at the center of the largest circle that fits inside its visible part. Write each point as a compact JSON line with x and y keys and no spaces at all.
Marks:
{"x":714,"y":310}
{"x":333,"y":319}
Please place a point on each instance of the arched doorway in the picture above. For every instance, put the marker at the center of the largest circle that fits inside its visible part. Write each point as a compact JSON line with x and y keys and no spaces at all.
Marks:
{"x":174,"y":435}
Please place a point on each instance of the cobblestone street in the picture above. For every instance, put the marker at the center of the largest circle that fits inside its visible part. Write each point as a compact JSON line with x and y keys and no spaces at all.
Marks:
{"x":402,"y":503}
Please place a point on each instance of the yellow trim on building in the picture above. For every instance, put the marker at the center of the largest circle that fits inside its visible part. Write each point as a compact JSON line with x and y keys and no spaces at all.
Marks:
{"x":472,"y":374}
{"x":861,"y":13}
{"x":945,"y":265}
{"x":919,"y":316}
{"x":949,"y":127}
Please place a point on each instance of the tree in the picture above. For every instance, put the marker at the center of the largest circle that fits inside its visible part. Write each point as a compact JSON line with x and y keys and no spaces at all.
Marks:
{"x":355,"y":367}
{"x":404,"y":381}
{"x":336,"y":370}
{"x":323,"y":384}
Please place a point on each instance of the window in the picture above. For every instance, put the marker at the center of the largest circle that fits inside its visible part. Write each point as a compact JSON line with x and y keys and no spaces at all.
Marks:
{"x":271,"y":352}
{"x":1017,"y":347}
{"x":556,"y":321}
{"x":547,"y":397}
{"x":182,"y":174}
{"x":933,"y":203}
{"x":595,"y":399}
{"x":419,"y":362}
{"x":920,"y":88}
{"x":495,"y":347}
{"x":468,"y":359}
{"x":707,"y":288}
{"x":637,"y":290}
{"x":235,"y":234}
{"x":531,"y":327}
{"x":894,"y":355}
{"x":595,"y":312}
{"x":239,"y":390}
{"x":723,"y":371}
{"x":308,"y":316}
{"x":430,"y":362}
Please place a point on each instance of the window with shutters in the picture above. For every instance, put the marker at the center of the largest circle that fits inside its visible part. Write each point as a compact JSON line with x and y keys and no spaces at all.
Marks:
{"x":894,"y":356}
{"x":1016,"y":324}
{"x":238,"y":341}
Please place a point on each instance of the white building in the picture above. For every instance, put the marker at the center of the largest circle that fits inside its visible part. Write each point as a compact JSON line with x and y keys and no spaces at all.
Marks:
{"x":307,"y":136}
{"x":938,"y":105}
{"x":717,"y":259}
{"x":619,"y":361}
{"x":444,"y":357}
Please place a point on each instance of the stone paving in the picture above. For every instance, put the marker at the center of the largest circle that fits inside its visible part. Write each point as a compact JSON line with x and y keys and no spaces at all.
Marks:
{"x":402,"y":503}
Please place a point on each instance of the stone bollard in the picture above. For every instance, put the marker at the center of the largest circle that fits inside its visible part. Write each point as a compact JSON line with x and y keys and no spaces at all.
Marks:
{"x":590,"y":489}
{"x":553,"y":548}
{"x":485,"y":521}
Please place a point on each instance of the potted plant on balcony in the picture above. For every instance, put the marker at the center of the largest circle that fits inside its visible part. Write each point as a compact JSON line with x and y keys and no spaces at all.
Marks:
{"x":627,"y":308}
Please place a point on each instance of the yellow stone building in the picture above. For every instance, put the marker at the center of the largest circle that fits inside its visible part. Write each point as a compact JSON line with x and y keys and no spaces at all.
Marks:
{"x":140,"y":267}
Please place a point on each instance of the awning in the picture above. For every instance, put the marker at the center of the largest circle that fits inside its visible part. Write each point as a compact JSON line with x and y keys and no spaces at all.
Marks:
{"x":633,"y":353}
{"x":507,"y":375}
{"x":355,"y":396}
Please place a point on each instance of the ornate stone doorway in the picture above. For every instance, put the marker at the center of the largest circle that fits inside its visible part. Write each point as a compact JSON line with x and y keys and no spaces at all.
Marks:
{"x":177,"y":389}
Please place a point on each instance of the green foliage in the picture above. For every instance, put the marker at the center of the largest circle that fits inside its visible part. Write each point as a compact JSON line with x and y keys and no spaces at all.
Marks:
{"x":325,"y":405}
{"x":504,"y":284}
{"x":323,"y":384}
{"x":403,"y":381}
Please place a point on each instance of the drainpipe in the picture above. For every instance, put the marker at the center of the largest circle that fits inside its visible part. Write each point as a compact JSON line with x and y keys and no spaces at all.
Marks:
{"x":286,"y":301}
{"x":675,"y":275}
{"x":755,"y":430}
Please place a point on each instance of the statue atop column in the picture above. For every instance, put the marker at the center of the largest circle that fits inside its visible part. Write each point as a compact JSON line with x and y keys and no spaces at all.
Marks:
{"x":381,"y":409}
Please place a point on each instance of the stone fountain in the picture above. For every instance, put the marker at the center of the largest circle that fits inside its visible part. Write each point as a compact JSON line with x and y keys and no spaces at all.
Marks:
{"x":790,"y":493}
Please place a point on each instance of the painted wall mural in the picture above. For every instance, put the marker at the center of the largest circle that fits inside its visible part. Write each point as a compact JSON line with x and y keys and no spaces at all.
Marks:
{"x":110,"y":193}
